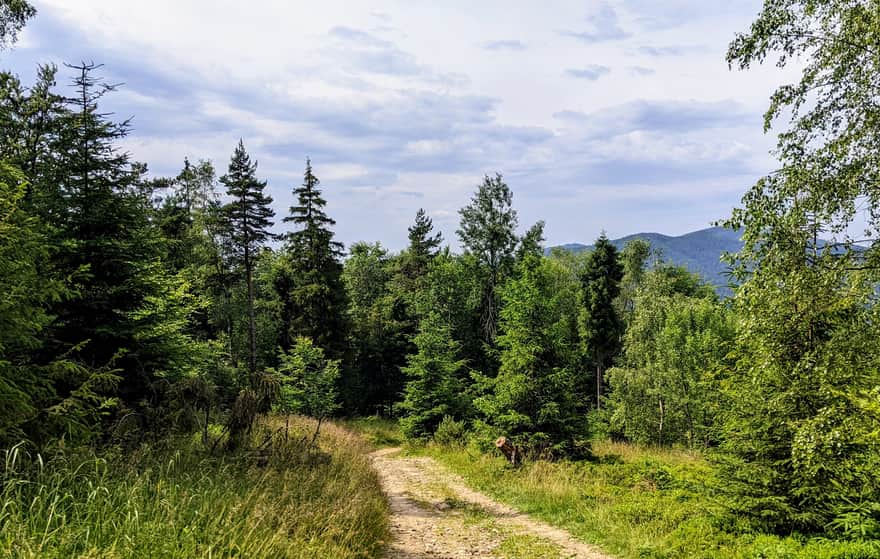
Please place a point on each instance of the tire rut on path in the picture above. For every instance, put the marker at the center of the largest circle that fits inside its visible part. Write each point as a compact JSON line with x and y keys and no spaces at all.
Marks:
{"x":435,"y":515}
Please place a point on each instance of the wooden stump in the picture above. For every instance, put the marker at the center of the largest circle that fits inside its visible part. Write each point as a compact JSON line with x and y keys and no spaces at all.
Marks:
{"x":508,"y":450}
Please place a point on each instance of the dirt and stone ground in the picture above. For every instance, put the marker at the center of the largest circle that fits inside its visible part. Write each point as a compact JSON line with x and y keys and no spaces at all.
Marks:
{"x":436,"y":516}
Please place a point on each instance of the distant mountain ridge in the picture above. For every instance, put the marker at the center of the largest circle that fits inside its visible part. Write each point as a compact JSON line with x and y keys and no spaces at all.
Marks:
{"x":699,"y":251}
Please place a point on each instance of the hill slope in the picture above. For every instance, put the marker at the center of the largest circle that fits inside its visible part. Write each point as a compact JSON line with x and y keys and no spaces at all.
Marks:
{"x":699,"y":251}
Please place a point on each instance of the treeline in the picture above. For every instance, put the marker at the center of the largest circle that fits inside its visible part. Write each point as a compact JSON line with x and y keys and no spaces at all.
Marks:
{"x":134,"y":307}
{"x":139,"y":305}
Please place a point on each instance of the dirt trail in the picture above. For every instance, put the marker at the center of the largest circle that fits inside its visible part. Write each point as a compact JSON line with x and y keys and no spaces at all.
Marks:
{"x":435,"y":515}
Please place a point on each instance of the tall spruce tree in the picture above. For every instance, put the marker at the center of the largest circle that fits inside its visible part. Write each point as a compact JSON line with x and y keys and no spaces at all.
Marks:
{"x":534,"y":401}
{"x":600,"y":325}
{"x":312,"y":289}
{"x":488,"y":231}
{"x":435,"y":374}
{"x":423,"y":246}
{"x":107,"y":245}
{"x":249,"y":215}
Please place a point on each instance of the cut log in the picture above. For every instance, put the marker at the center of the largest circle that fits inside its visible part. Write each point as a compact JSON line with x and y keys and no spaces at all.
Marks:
{"x":508,"y":450}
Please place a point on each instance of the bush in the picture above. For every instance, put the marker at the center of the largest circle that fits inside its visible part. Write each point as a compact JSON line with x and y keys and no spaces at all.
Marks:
{"x":450,"y":431}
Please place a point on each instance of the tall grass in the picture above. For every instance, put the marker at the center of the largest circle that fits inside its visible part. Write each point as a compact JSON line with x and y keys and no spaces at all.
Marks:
{"x":184,"y":502}
{"x":637,"y":503}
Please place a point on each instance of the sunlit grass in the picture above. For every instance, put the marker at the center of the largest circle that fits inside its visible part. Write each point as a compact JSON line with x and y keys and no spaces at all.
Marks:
{"x":379,"y":431}
{"x":636,"y":503}
{"x":184,"y":502}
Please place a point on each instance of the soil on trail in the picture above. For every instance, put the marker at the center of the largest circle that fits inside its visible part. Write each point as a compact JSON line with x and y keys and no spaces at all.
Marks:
{"x":435,"y":515}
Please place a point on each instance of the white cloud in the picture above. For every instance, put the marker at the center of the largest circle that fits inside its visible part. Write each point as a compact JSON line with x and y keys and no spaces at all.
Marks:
{"x":405,"y":104}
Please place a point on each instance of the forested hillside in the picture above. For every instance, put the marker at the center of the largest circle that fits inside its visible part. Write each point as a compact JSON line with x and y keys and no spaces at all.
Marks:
{"x":159,"y":326}
{"x":701,"y":252}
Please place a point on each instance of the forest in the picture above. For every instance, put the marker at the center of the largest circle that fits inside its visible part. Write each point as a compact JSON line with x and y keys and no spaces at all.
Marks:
{"x":159,"y":326}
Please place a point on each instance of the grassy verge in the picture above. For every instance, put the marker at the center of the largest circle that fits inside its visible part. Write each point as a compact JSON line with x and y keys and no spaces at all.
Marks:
{"x":635,"y":503}
{"x":182,"y":502}
{"x":377,"y":431}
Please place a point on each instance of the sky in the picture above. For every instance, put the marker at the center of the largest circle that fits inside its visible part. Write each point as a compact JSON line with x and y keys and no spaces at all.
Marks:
{"x":618,"y":116}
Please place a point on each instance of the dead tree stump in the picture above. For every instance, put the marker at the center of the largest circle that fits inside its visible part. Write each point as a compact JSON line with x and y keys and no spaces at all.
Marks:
{"x":508,"y":450}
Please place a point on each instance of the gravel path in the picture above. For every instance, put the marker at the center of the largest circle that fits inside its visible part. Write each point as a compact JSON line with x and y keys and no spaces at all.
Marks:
{"x":435,"y":515}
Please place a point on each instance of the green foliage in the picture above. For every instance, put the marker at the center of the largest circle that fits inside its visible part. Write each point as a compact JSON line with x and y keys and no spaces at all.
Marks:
{"x":633,"y":259}
{"x":799,"y":454}
{"x":600,"y":324}
{"x":308,"y":381}
{"x":248,"y":217}
{"x":488,"y":231}
{"x":436,"y":383}
{"x":533,"y":400}
{"x":33,"y":408}
{"x":665,"y":388}
{"x":381,"y":323}
{"x":452,"y":289}
{"x":799,"y":450}
{"x":311,"y":287}
{"x":424,"y":245}
{"x":636,"y":502}
{"x":450,"y":432}
{"x":14,"y":14}
{"x":532,"y":243}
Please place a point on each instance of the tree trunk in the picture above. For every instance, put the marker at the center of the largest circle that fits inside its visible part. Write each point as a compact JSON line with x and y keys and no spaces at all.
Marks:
{"x":600,"y":391}
{"x":317,"y":432}
{"x":660,"y":431}
{"x":252,"y":326}
{"x":207,"y":421}
{"x":508,"y":450}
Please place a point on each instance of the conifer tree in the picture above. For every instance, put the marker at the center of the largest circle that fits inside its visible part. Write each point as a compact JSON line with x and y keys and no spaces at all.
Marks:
{"x":249,"y":215}
{"x":533,"y":400}
{"x":312,"y":288}
{"x":104,"y":235}
{"x":435,"y":388}
{"x":600,"y":324}
{"x":109,"y":340}
{"x":488,"y":231}
{"x":423,"y":246}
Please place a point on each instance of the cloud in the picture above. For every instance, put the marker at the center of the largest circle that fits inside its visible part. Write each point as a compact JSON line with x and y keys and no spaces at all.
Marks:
{"x":658,"y":116}
{"x":602,"y":26}
{"x":671,"y":50}
{"x":511,"y":45}
{"x":592,"y":73}
{"x":359,"y":50}
{"x":393,"y":123}
{"x":641,"y":71}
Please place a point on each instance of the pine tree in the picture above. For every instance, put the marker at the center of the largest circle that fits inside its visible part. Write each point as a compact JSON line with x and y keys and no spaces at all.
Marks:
{"x":435,"y":386}
{"x":91,"y":207}
{"x":533,"y":401}
{"x":488,"y":231}
{"x":423,"y":247}
{"x":249,"y":215}
{"x":312,"y":289}
{"x":601,"y":327}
